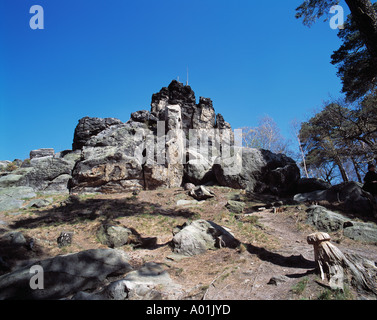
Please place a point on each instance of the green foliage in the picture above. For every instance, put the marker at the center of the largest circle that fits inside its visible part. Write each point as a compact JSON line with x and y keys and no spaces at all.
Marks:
{"x":340,"y":137}
{"x":300,"y":287}
{"x":356,"y":67}
{"x":356,"y":59}
{"x":311,"y":10}
{"x":328,"y":294}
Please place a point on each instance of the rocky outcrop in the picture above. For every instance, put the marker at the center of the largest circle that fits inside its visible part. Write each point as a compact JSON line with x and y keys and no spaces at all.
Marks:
{"x":46,"y":172}
{"x":350,"y":194}
{"x":177,"y":141}
{"x":90,"y":127}
{"x":65,"y":275}
{"x":111,"y":161}
{"x":40,"y":153}
{"x":150,"y":282}
{"x":258,"y":171}
{"x":327,"y":221}
{"x":12,"y":198}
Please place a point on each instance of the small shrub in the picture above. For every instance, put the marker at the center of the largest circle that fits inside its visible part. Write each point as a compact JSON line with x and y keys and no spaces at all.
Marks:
{"x":11,"y":167}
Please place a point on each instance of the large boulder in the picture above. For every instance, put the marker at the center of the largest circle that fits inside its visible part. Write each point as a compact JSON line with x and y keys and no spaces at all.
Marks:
{"x":198,"y":168}
{"x":14,"y":197}
{"x":48,"y":174}
{"x":306,"y":185}
{"x":111,"y":161}
{"x":325,"y":220}
{"x":360,"y":231}
{"x":258,"y":171}
{"x":150,"y":282}
{"x":113,"y":236}
{"x":65,"y":275}
{"x":350,"y":194}
{"x":199,"y":236}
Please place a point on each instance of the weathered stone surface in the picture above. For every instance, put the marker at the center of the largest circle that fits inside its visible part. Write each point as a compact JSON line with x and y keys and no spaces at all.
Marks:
{"x":143,"y":116}
{"x":189,"y":186}
{"x":325,"y":220}
{"x":40,"y":153}
{"x":45,"y":171}
{"x":111,"y":161}
{"x":350,"y":194}
{"x":4,"y":164}
{"x":65,"y":275}
{"x":89,"y":127}
{"x":113,"y":236}
{"x":365,"y":232}
{"x":45,"y":174}
{"x":150,"y":282}
{"x":14,"y":197}
{"x":198,"y":169}
{"x":257,"y":170}
{"x":204,"y":116}
{"x":235,"y":206}
{"x":176,"y":94}
{"x":200,"y":235}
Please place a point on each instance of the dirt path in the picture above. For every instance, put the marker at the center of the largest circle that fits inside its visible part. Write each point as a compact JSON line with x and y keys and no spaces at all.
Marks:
{"x":273,"y":244}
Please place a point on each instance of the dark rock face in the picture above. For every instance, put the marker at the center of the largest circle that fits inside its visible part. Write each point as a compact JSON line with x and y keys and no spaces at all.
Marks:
{"x":143,"y":116}
{"x":350,"y":194}
{"x":176,"y":94}
{"x":89,"y":127}
{"x":65,"y":275}
{"x":305,"y":185}
{"x":258,"y":171}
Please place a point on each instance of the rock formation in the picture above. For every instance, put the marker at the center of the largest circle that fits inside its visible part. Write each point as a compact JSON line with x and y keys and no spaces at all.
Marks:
{"x":176,"y":142}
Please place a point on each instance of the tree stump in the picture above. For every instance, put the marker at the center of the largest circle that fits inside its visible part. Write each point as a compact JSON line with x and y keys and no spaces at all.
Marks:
{"x":336,"y":267}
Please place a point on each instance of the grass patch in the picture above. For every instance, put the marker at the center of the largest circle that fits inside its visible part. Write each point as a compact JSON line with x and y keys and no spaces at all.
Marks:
{"x":300,"y":287}
{"x":329,"y":294}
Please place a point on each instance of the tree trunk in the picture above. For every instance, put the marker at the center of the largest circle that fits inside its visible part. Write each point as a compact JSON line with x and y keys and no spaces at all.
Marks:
{"x":341,"y":169}
{"x":365,"y":17}
{"x":356,"y":166}
{"x":335,"y":266}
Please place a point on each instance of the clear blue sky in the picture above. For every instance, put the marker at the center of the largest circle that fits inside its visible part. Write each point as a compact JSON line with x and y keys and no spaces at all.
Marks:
{"x":106,"y":58}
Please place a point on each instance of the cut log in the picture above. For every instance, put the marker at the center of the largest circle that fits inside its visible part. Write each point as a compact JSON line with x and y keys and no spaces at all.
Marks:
{"x":336,"y":266}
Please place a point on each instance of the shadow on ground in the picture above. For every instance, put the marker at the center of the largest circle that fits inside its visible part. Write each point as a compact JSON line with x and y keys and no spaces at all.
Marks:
{"x":75,"y":210}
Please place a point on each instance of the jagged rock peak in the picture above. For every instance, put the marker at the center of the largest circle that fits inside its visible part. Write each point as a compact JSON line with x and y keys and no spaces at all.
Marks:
{"x":194,"y":116}
{"x":175,"y":93}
